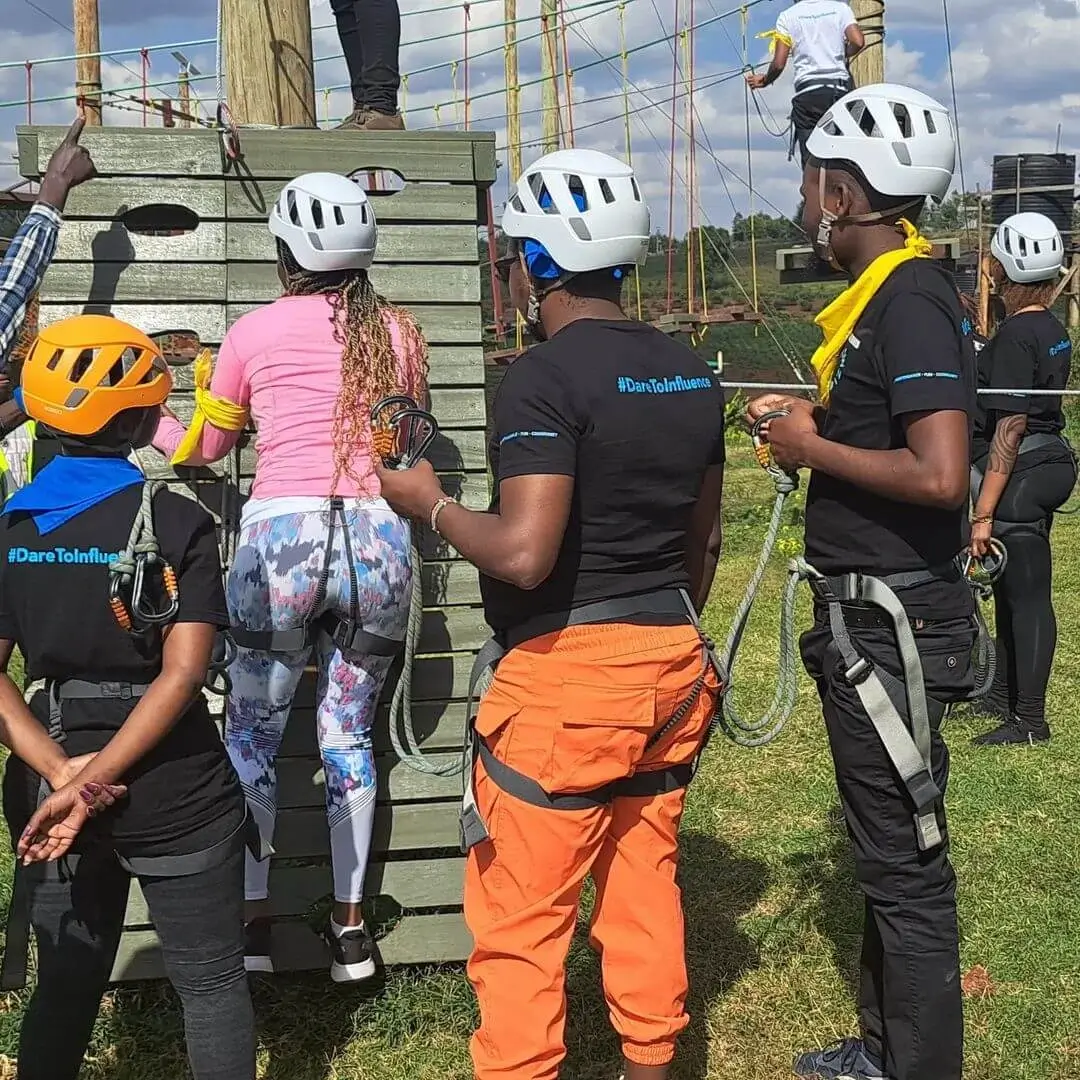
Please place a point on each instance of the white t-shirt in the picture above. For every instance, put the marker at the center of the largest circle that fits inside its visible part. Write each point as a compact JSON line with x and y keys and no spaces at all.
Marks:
{"x":817,"y":28}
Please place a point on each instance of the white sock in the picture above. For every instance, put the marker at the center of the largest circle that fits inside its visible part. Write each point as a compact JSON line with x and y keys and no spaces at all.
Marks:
{"x":338,"y":929}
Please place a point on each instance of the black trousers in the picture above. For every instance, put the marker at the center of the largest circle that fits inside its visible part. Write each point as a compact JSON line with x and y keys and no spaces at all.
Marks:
{"x":910,"y":1008}
{"x":77,"y":911}
{"x":807,"y":109}
{"x":370,"y":32}
{"x":1023,"y":600}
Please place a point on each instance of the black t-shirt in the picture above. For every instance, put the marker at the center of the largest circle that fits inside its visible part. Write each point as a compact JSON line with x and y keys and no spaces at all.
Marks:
{"x":910,"y":352}
{"x":1031,"y":351}
{"x":636,"y":418}
{"x":54,"y":592}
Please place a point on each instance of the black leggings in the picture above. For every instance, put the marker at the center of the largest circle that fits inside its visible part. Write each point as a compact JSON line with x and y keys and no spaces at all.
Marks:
{"x":1022,"y":598}
{"x":77,"y":918}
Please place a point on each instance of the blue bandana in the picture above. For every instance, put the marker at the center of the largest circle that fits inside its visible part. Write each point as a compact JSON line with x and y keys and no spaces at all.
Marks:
{"x":69,"y":485}
{"x":539,"y":263}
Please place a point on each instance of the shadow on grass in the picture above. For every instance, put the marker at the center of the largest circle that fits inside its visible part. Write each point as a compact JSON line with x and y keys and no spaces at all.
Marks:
{"x":718,"y":889}
{"x":828,"y":875}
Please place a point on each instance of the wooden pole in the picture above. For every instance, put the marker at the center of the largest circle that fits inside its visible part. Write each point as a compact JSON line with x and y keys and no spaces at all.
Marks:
{"x":185,"y":99}
{"x":1073,"y":315}
{"x":88,"y":64}
{"x":513,"y":94}
{"x":549,"y":58}
{"x":268,"y":62}
{"x":869,"y":65}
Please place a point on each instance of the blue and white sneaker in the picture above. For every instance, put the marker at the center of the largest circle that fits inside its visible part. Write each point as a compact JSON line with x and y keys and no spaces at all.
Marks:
{"x":844,"y":1060}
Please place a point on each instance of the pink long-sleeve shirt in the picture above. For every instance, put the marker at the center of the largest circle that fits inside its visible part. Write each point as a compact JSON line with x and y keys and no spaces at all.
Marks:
{"x":282,"y":362}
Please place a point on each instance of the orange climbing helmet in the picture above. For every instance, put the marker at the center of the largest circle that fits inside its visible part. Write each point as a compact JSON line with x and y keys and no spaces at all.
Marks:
{"x":84,"y":371}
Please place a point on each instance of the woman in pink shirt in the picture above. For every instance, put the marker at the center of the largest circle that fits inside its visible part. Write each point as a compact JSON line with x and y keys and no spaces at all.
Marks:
{"x":322,"y":561}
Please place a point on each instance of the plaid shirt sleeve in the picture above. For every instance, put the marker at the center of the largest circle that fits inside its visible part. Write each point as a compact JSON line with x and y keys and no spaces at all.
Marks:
{"x":21,"y":272}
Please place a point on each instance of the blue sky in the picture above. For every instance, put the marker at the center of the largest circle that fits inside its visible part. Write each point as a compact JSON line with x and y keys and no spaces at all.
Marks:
{"x":1016,"y":77}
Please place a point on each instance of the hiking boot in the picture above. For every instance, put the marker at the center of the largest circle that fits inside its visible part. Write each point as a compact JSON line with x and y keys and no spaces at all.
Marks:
{"x":353,"y":952}
{"x":1014,"y":732}
{"x":380,"y":121}
{"x":354,"y":121}
{"x":257,"y":946}
{"x":845,"y":1060}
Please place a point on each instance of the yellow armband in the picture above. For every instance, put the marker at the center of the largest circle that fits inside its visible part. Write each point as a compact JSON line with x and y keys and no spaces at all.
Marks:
{"x":773,"y":36}
{"x":222,"y":413}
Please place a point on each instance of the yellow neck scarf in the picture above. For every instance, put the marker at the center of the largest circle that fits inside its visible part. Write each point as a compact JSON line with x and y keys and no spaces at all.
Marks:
{"x":223,"y":414}
{"x":838,"y":320}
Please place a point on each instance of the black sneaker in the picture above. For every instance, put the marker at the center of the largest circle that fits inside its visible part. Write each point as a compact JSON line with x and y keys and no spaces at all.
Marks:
{"x":1014,"y":732}
{"x":257,"y":946}
{"x":845,"y":1060}
{"x":353,"y":952}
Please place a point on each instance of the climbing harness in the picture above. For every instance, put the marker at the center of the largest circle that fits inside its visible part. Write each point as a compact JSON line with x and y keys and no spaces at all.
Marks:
{"x":835,"y":592}
{"x":666,"y":604}
{"x":401,"y":434}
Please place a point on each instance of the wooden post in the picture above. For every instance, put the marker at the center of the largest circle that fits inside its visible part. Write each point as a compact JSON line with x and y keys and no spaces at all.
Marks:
{"x":268,"y":62}
{"x":984,"y":326}
{"x":549,"y":58}
{"x":869,"y":65}
{"x":88,"y":64}
{"x":184,"y":82}
{"x":513,"y":94}
{"x":1072,"y":319}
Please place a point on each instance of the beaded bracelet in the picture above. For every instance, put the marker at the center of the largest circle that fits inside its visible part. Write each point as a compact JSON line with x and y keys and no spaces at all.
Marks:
{"x":436,"y":510}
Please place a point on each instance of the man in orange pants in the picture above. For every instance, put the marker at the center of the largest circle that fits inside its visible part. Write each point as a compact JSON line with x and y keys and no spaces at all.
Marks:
{"x":596,"y":554}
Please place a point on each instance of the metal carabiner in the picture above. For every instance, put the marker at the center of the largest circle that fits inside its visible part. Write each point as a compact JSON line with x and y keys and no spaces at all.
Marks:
{"x":761,"y":446}
{"x":984,"y":571}
{"x":421,"y":432}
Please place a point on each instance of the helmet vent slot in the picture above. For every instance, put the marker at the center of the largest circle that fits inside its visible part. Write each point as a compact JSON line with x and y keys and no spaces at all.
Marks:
{"x":605,"y":190}
{"x":317,"y":214}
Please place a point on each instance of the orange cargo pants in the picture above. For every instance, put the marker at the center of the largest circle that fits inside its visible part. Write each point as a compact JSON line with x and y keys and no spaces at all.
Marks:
{"x":574,"y":711}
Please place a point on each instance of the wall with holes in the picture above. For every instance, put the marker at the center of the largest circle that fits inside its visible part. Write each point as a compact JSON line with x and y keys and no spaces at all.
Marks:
{"x":172,"y":237}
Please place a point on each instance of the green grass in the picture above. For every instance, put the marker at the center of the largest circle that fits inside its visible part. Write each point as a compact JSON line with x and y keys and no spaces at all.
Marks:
{"x":773,"y":914}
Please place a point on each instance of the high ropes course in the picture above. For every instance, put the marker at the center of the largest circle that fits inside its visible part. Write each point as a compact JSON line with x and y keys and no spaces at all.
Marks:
{"x":485,"y":91}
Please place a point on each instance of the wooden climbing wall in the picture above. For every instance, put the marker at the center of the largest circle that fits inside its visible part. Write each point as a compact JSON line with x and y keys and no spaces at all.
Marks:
{"x":219,"y":264}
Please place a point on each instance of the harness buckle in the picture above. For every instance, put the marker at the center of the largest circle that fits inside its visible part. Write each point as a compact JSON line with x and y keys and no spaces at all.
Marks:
{"x":859,"y":672}
{"x":120,"y":690}
{"x":343,"y":634}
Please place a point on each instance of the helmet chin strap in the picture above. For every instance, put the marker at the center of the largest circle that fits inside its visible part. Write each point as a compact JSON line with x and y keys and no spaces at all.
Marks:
{"x":829,"y":220}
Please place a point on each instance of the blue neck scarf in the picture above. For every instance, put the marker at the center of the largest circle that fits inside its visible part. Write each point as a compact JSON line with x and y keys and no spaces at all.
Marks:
{"x":69,"y":485}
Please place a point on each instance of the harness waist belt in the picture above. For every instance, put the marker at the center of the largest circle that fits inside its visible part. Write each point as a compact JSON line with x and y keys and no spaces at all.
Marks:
{"x":345,"y":635}
{"x":664,"y":604}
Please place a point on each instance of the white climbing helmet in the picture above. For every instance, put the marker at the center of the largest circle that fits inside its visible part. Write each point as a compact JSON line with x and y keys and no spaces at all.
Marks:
{"x":1029,"y":247}
{"x":326,"y":222}
{"x":584,"y":207}
{"x":900,"y":139}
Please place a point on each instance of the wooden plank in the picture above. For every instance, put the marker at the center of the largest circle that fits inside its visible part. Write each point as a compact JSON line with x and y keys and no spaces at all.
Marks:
{"x":416,"y":939}
{"x":300,"y":782}
{"x":442,"y":324}
{"x":112,"y":242}
{"x":251,"y":200}
{"x":206,"y":320}
{"x":120,"y":283}
{"x":451,"y":583}
{"x":423,"y":243}
{"x":398,"y":282}
{"x":111,"y":197}
{"x":414,"y":155}
{"x":294,"y":890}
{"x":439,"y":725}
{"x":418,"y":827}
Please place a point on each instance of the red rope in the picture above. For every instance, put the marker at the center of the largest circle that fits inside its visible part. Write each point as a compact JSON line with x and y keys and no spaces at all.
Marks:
{"x":566,"y":73}
{"x":671,"y":177}
{"x":496,"y":285}
{"x":466,"y":61}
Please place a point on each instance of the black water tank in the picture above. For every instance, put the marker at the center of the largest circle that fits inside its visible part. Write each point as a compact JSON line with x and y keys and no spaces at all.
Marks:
{"x":1019,"y":171}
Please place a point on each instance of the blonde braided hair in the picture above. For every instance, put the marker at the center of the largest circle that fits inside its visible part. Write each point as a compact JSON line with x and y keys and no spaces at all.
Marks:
{"x":370,"y":368}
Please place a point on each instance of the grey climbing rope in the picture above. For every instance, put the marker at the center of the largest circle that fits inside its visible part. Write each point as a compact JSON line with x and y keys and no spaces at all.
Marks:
{"x":389,"y":415}
{"x":758,"y":732}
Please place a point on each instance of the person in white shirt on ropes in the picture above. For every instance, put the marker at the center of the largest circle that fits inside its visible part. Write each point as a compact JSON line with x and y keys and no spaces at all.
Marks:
{"x":823,"y":36}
